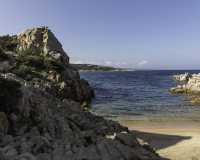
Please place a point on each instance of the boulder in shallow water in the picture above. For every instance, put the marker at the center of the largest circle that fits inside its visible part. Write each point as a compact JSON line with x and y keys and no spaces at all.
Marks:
{"x":192,"y":86}
{"x":183,"y":77}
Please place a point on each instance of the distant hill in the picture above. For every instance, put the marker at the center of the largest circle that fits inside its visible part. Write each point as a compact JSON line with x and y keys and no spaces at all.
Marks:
{"x":89,"y":67}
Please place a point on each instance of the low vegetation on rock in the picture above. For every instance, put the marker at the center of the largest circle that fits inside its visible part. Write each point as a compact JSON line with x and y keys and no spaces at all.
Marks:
{"x":3,"y":56}
{"x":8,"y":42}
{"x":5,"y":67}
{"x":29,"y":61}
{"x":23,"y":70}
{"x":52,"y":65}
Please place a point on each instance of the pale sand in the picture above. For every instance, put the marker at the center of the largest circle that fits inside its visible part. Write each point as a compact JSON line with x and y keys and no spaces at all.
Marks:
{"x":172,"y":140}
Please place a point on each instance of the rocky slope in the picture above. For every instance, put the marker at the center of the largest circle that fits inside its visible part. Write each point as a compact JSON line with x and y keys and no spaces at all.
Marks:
{"x":41,"y":127}
{"x":192,"y":86}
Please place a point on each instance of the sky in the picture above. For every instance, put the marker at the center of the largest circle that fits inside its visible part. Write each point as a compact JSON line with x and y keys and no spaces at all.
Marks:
{"x":140,"y":34}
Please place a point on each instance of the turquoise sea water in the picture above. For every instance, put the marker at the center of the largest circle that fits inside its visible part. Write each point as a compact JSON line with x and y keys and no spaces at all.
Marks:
{"x":140,"y":95}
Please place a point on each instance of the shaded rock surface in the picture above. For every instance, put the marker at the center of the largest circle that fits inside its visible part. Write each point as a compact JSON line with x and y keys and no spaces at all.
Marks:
{"x":50,"y":128}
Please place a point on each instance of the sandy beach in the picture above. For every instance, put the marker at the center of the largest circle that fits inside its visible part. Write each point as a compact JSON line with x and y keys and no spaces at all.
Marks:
{"x":172,"y":140}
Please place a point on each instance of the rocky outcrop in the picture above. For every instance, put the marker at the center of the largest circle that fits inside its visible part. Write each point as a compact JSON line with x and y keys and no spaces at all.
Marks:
{"x":50,"y":128}
{"x":183,"y":77}
{"x":66,"y":84}
{"x":43,"y":42}
{"x":192,"y":86}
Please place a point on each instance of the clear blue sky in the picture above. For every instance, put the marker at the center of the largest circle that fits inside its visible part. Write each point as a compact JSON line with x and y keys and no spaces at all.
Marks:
{"x":161,"y":34}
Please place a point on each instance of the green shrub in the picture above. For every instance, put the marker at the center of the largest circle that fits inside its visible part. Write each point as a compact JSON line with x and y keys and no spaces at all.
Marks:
{"x":9,"y":93}
{"x":53,"y":65}
{"x":37,"y":61}
{"x":47,"y":70}
{"x":1,"y":50}
{"x":15,"y":42}
{"x":7,"y":42}
{"x":23,"y":55}
{"x":22,"y":70}
{"x":28,"y":57}
{"x":28,"y":77}
{"x":3,"y":56}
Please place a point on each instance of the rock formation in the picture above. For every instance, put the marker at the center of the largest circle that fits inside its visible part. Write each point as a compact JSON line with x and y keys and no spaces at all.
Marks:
{"x":48,"y":128}
{"x":183,"y":77}
{"x":192,"y":86}
{"x":39,"y":120}
{"x":43,"y":42}
{"x":66,"y":84}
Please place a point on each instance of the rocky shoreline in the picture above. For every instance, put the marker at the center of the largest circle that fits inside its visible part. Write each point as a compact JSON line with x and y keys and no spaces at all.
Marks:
{"x":192,"y":86}
{"x":42,"y":118}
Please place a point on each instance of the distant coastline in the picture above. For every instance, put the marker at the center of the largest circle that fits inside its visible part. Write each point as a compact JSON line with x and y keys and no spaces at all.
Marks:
{"x":96,"y":68}
{"x":104,"y":70}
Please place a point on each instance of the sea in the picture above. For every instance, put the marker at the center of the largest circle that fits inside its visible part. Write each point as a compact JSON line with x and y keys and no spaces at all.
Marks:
{"x":141,"y":95}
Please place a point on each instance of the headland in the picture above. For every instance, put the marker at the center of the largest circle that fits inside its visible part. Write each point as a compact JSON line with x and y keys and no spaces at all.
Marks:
{"x":96,"y":68}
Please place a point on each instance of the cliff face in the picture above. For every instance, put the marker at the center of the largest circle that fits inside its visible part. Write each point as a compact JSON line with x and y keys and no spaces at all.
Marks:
{"x":44,"y":50}
{"x":47,"y":128}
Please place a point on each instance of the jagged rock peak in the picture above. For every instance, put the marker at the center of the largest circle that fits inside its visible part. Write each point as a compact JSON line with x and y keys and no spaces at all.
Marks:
{"x":42,"y":41}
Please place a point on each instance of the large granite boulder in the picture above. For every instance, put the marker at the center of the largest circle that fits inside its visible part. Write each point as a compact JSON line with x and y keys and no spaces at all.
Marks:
{"x":183,"y":77}
{"x":43,"y":42}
